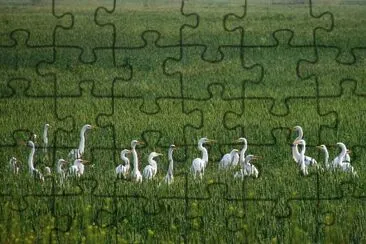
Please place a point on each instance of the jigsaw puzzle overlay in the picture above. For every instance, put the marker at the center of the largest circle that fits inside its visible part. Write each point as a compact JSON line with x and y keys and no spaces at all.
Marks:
{"x":171,"y":72}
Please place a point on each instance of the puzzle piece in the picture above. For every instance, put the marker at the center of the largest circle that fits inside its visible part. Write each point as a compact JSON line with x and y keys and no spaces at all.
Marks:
{"x":209,"y":16}
{"x":147,"y":71}
{"x":38,"y":109}
{"x":261,"y":134}
{"x":70,"y":37}
{"x":328,"y":80}
{"x":121,"y":15}
{"x":343,"y":36}
{"x":285,"y":76}
{"x":258,"y":22}
{"x":350,"y":98}
{"x":19,"y":61}
{"x":39,"y":26}
{"x":230,"y":71}
{"x":68,"y":71}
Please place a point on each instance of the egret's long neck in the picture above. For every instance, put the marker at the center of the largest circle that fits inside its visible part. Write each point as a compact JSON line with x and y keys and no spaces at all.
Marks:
{"x":342,"y":154}
{"x":242,"y":152}
{"x":125,"y":159}
{"x":152,"y":162}
{"x":30,"y":158}
{"x":82,"y":141}
{"x":135,"y":159}
{"x":326,"y":158}
{"x":204,"y":152}
{"x":300,"y":134}
{"x":45,"y":137}
{"x":59,"y":169}
{"x":170,"y":158}
{"x":295,"y":151}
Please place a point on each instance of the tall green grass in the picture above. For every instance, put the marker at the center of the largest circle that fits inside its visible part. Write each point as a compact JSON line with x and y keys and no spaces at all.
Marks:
{"x":279,"y":206}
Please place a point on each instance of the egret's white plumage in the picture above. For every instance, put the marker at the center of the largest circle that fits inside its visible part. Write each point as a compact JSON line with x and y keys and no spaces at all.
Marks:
{"x":169,"y":178}
{"x":123,"y":170}
{"x":247,"y":168}
{"x":45,"y":137}
{"x":341,"y":162}
{"x":326,"y":156}
{"x":301,"y":162}
{"x":346,"y":159}
{"x":199,"y":164}
{"x":59,"y":170}
{"x":77,"y":169}
{"x":151,"y":169}
{"x":229,"y":159}
{"x":295,"y":150}
{"x":136,"y":174}
{"x":242,"y":151}
{"x":33,"y":171}
{"x":14,"y":165}
{"x":78,"y":152}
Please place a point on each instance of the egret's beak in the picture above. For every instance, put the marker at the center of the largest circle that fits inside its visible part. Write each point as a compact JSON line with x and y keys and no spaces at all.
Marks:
{"x":211,"y":141}
{"x":140,"y":143}
{"x":85,"y":161}
{"x":349,"y":151}
{"x":257,"y":157}
{"x":319,"y":147}
{"x":160,"y":154}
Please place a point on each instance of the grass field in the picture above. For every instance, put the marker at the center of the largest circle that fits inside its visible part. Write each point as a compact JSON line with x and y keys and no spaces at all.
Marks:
{"x":133,"y":84}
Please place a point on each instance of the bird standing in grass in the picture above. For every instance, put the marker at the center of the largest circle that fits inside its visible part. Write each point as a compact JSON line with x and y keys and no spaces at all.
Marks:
{"x":295,"y":150}
{"x":169,"y":178}
{"x":199,"y":164}
{"x":247,"y":169}
{"x":45,"y":137}
{"x":229,"y":160}
{"x":136,"y":174}
{"x":77,"y":169}
{"x":326,"y":156}
{"x":33,"y":171}
{"x":60,"y":171}
{"x":340,"y":162}
{"x":151,"y":169}
{"x":78,"y":152}
{"x":123,"y":170}
{"x":14,"y":165}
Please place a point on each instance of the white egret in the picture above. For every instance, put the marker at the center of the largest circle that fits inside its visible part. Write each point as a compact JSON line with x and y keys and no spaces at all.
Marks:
{"x":77,"y":169}
{"x":169,"y":178}
{"x":229,"y":159}
{"x":247,"y":168}
{"x":326,"y":156}
{"x":45,"y":137}
{"x":295,"y":150}
{"x":33,"y":171}
{"x":59,"y":170}
{"x":346,"y":159}
{"x":340,"y":160}
{"x":199,"y":164}
{"x":14,"y":165}
{"x":301,"y":162}
{"x":242,"y":151}
{"x":78,"y":152}
{"x":136,"y":174}
{"x":47,"y":170}
{"x":123,"y":170}
{"x":151,"y":169}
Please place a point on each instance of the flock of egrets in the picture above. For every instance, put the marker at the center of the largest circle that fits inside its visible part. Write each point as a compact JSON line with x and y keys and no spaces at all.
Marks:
{"x":232,"y":160}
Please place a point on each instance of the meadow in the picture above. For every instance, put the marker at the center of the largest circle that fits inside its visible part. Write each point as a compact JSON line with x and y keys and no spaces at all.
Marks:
{"x":161,"y":87}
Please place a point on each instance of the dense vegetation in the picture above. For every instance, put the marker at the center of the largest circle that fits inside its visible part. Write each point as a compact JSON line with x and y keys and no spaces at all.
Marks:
{"x":259,"y":86}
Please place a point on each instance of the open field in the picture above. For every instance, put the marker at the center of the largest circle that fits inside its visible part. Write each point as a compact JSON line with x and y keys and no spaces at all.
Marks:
{"x":144,"y":73}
